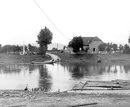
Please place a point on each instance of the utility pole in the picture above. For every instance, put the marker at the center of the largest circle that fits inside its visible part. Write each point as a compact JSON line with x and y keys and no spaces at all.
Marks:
{"x":57,"y":46}
{"x":23,"y":48}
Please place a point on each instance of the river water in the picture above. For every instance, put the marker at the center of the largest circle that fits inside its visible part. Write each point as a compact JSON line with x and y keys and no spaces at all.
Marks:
{"x":61,"y":76}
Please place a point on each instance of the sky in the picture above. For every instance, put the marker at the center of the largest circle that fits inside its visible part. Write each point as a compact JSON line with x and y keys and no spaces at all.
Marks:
{"x":22,"y":20}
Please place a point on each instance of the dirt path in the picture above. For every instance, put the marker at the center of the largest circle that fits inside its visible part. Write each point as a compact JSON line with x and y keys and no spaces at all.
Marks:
{"x":54,"y":57}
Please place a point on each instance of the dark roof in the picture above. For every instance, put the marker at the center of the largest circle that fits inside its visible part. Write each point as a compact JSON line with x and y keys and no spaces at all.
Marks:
{"x":88,"y":40}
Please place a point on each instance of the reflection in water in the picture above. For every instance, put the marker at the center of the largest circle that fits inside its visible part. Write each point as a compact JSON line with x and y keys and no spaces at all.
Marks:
{"x":61,"y":76}
{"x":45,"y":78}
{"x":116,"y":72}
{"x":77,"y":72}
{"x":17,"y":76}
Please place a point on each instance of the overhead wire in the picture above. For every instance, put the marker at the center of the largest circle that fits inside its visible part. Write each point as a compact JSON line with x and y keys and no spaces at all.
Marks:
{"x":50,"y":19}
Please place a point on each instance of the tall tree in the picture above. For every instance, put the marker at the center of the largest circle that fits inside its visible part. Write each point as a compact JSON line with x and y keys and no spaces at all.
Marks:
{"x":76,"y":43}
{"x":44,"y":38}
{"x":129,"y":40}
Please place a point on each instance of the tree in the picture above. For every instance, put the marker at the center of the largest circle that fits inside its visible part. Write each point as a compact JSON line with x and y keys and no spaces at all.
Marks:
{"x":6,"y":48}
{"x":76,"y":43}
{"x":109,"y":47}
{"x":31,"y":48}
{"x":102,"y":47}
{"x":114,"y":46}
{"x":129,"y":40}
{"x":121,"y":47}
{"x":15,"y":48}
{"x":54,"y":49}
{"x":44,"y":38}
{"x":126,"y":49}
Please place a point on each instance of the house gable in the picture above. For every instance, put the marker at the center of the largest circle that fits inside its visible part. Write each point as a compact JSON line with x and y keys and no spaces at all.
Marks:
{"x":92,"y":43}
{"x":88,"y":40}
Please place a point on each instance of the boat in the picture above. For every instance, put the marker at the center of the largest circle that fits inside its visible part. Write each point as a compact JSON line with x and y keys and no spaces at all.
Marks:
{"x":45,"y":62}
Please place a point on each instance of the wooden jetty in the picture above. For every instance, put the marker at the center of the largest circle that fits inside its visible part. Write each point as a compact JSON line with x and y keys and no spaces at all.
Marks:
{"x":103,"y":85}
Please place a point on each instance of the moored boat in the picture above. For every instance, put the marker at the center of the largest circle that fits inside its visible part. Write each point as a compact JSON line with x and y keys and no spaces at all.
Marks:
{"x":45,"y":62}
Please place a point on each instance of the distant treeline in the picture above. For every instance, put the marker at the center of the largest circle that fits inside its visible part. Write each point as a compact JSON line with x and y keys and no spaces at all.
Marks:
{"x":114,"y":47}
{"x":17,"y":48}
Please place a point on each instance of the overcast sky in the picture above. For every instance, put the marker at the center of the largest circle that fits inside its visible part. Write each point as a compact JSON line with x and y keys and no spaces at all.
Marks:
{"x":21,"y":20}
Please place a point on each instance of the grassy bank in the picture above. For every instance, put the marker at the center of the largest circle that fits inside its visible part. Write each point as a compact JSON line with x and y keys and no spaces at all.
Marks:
{"x":11,"y":58}
{"x":106,"y":58}
{"x":76,"y":58}
{"x":66,"y":57}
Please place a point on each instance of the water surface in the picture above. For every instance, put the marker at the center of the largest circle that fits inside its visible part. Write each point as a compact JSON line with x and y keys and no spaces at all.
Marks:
{"x":61,"y":76}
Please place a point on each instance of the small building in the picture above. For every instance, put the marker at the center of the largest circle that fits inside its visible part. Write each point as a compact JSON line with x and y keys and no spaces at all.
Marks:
{"x":92,"y":43}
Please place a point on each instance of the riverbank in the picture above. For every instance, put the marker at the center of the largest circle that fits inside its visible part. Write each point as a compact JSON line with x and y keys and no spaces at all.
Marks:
{"x":105,"y":58}
{"x":63,"y":99}
{"x":92,"y":98}
{"x":14,"y":59}
{"x":66,"y":57}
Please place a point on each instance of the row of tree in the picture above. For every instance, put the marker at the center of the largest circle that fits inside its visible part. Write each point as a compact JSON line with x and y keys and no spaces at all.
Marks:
{"x":108,"y":47}
{"x":17,"y":49}
{"x":114,"y":47}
